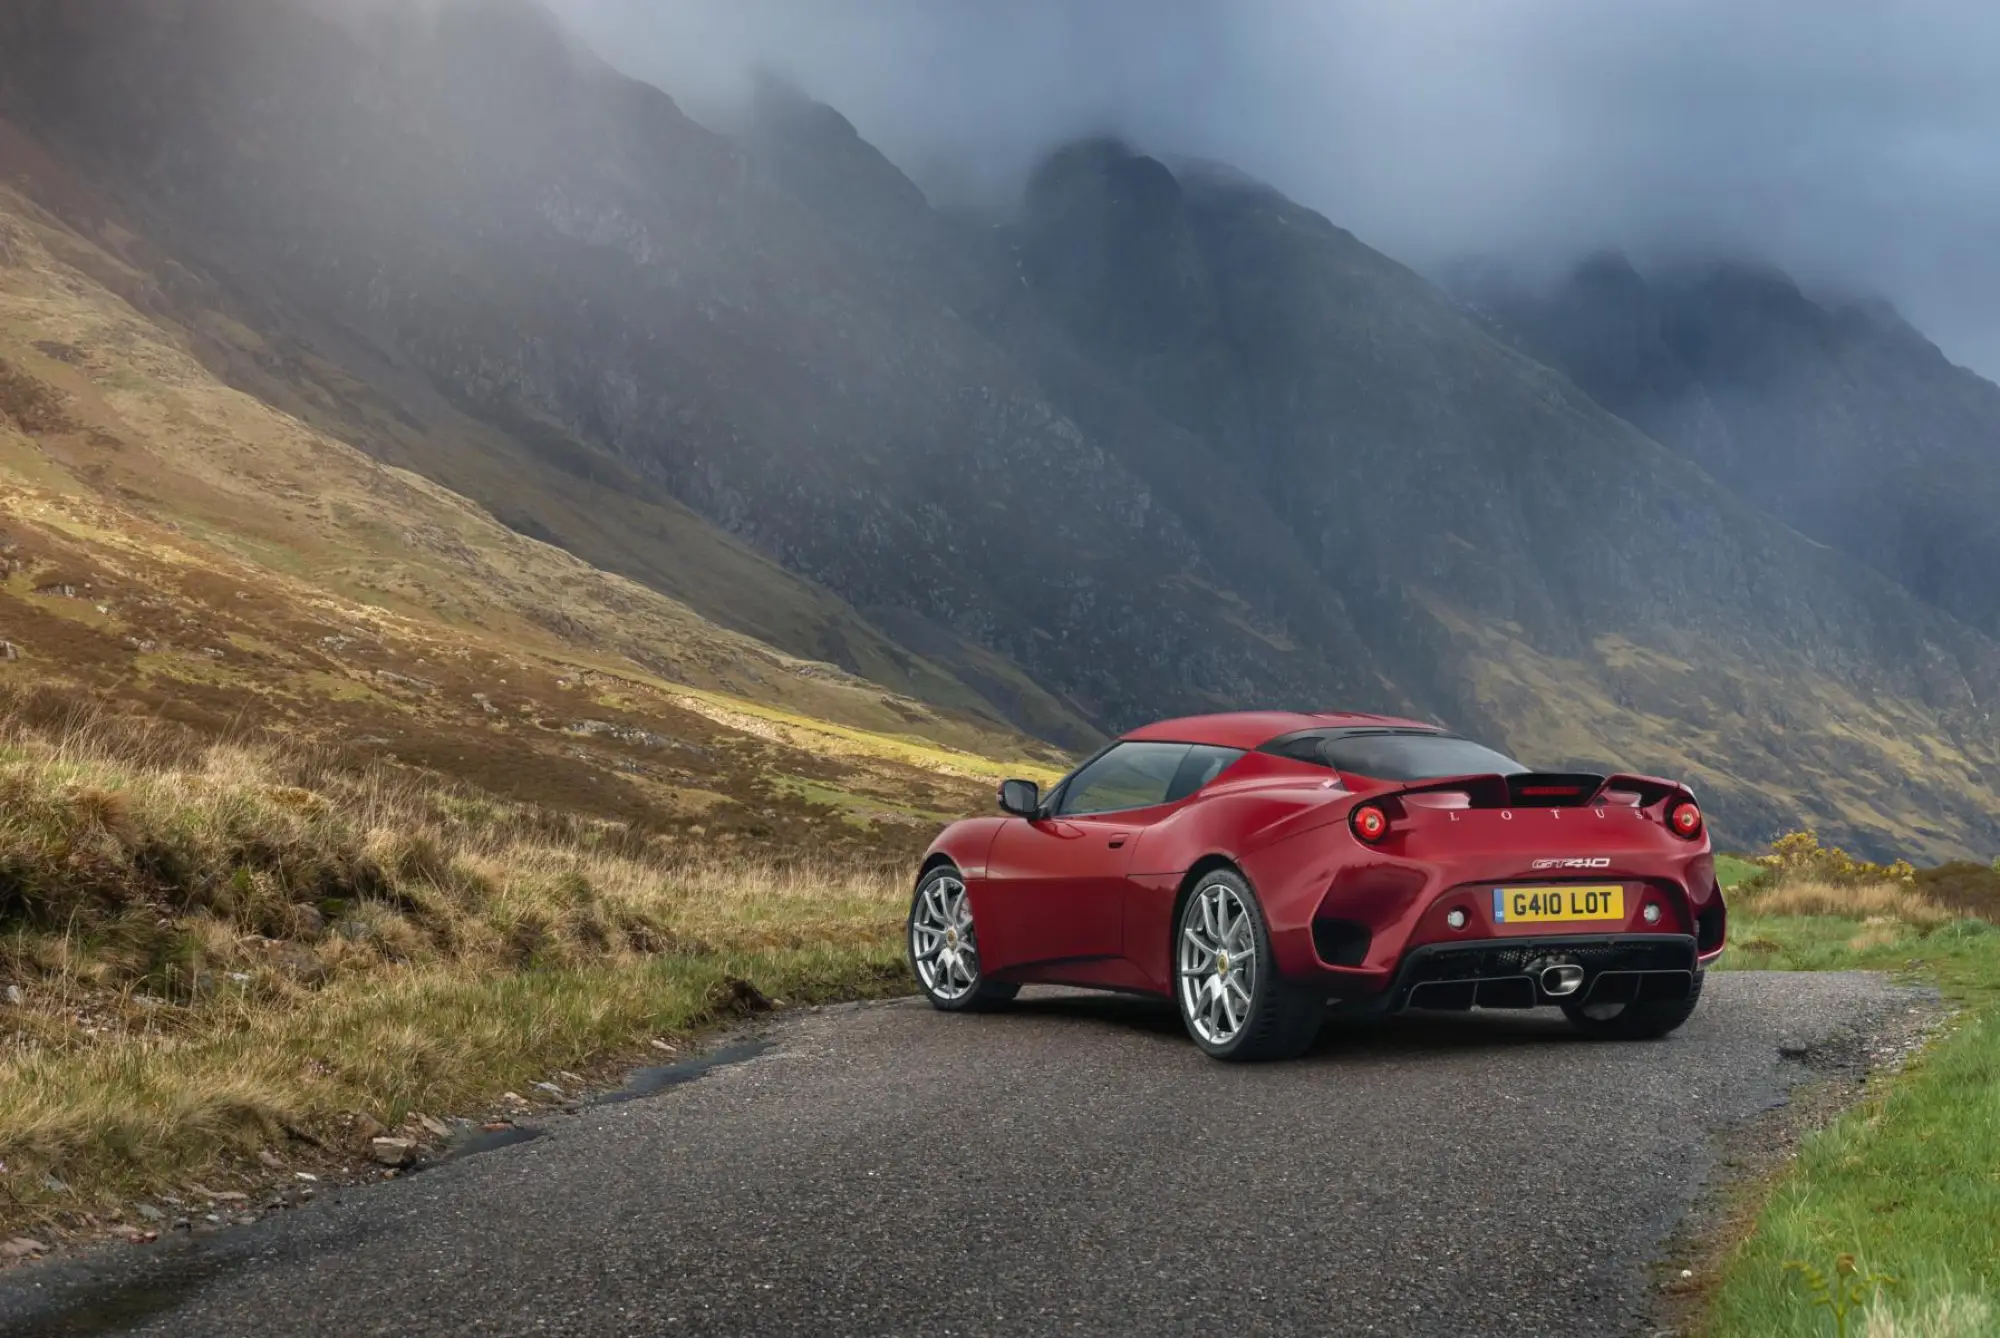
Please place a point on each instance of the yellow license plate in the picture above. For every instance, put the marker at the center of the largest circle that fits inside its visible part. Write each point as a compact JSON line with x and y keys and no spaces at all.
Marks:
{"x":1547,"y":905}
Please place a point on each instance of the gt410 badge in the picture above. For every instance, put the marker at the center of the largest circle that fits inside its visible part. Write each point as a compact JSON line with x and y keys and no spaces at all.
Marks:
{"x":1596,"y":862}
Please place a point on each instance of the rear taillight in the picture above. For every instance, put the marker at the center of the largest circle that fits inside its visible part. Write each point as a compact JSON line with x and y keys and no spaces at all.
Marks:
{"x":1685,"y":819}
{"x":1370,"y":823}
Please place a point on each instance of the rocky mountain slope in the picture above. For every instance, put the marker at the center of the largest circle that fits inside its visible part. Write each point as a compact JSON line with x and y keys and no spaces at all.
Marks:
{"x":1834,"y":415}
{"x":1171,"y":442}
{"x":175,"y":546}
{"x":1453,"y":500}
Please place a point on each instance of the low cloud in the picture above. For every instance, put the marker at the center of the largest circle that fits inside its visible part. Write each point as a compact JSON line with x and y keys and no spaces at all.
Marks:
{"x":1851,"y":144}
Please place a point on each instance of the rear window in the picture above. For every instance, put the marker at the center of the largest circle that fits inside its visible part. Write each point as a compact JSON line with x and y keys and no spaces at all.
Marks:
{"x":1413,"y":757}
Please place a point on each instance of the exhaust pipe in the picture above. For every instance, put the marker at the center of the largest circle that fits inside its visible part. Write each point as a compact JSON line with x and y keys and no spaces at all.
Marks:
{"x":1562,"y":980}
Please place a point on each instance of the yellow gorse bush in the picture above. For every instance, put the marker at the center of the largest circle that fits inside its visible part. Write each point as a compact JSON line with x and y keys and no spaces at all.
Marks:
{"x":1800,"y":856}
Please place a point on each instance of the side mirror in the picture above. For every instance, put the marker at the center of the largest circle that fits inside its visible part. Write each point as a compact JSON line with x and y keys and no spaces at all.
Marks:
{"x":1021,"y":798}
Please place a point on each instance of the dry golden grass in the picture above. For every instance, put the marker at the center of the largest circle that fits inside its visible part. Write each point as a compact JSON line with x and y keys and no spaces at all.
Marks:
{"x":1879,"y":931}
{"x":222,"y":947}
{"x":1887,"y":901}
{"x":1950,"y":1315}
{"x":218,"y":942}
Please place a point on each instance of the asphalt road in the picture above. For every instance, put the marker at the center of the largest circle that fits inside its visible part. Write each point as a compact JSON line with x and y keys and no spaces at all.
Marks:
{"x":1072,"y":1166}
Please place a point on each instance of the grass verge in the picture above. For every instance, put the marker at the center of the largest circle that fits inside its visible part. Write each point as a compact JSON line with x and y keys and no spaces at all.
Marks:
{"x":1733,"y":871}
{"x":210,"y":952}
{"x":1907,"y":1183}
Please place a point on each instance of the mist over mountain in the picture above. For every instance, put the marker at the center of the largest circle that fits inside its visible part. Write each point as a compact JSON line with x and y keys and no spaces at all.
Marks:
{"x":1850,"y":150}
{"x":1837,"y":416}
{"x":1167,"y":440}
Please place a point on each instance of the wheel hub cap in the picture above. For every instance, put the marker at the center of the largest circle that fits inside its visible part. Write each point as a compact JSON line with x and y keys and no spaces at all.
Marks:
{"x":1217,"y":963}
{"x":942,"y":944}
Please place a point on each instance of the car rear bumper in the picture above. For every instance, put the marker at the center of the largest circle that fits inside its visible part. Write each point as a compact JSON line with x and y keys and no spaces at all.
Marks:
{"x":1510,"y":972}
{"x":1355,"y":935}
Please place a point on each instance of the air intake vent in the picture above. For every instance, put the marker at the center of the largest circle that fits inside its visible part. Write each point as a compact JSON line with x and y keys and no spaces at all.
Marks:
{"x":1709,"y":926}
{"x":1341,"y":942}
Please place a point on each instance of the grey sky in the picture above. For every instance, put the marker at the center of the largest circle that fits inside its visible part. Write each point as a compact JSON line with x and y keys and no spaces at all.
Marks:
{"x":1857,"y":144}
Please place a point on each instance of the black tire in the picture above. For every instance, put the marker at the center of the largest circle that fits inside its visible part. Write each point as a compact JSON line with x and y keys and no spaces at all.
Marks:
{"x":1637,"y":1021}
{"x":947,"y":990}
{"x":1282,"y":1019}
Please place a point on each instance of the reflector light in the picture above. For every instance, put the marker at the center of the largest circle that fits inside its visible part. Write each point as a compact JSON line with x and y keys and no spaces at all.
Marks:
{"x":1371,"y":824}
{"x":1685,"y":819}
{"x":1550,"y":789}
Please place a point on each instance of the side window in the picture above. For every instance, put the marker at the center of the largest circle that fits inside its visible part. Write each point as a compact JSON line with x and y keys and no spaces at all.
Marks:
{"x":1131,"y":775}
{"x":1203,"y":764}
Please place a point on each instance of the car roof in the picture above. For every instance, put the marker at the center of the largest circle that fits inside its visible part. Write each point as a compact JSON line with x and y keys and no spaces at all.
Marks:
{"x":1248,"y":729}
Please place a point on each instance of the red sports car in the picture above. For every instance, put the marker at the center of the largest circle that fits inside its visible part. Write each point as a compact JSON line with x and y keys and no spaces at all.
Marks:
{"x":1255,"y":866}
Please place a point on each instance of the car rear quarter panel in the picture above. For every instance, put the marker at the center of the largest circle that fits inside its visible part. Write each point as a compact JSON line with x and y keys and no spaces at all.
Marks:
{"x":1258,"y":800}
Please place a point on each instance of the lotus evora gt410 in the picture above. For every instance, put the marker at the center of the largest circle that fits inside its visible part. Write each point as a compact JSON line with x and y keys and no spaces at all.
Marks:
{"x":1254,"y":866}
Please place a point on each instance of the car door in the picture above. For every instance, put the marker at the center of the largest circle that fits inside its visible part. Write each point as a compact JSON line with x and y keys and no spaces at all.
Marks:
{"x":1054,"y":892}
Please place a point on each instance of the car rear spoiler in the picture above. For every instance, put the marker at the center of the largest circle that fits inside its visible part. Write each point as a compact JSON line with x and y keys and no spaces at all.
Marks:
{"x":1549,"y":789}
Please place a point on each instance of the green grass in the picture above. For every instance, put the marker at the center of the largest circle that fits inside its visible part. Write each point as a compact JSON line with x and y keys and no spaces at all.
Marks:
{"x":1733,"y":871}
{"x":1907,"y":1182}
{"x":858,"y":809}
{"x":909,"y":749}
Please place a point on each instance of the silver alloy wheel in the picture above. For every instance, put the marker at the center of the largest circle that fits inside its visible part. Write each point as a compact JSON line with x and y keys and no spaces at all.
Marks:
{"x":1218,"y":963}
{"x":941,"y":939}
